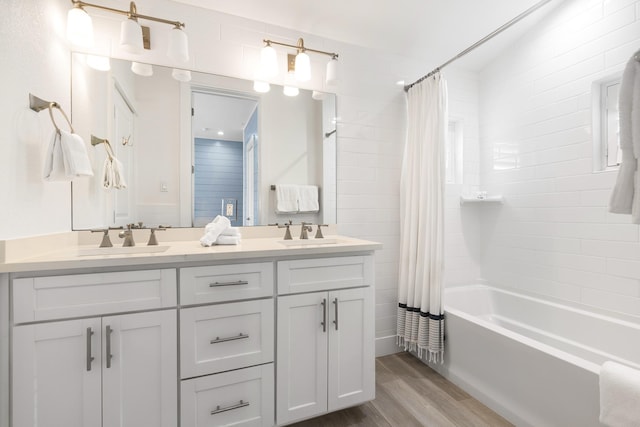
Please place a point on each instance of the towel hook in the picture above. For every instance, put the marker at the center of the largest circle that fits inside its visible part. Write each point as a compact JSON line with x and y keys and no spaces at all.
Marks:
{"x":38,"y":104}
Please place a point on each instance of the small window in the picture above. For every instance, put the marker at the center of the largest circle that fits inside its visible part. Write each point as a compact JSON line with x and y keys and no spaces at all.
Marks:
{"x":606,"y":124}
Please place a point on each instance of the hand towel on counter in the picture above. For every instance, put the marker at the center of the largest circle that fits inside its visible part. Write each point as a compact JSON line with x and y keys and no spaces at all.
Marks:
{"x":308,"y":198}
{"x":232,"y":232}
{"x":286,"y":198}
{"x":214,"y":229}
{"x":619,"y":395}
{"x":228,"y":240}
{"x":625,"y":198}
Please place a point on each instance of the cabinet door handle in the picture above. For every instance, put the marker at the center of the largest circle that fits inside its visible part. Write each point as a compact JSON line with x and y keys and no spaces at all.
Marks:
{"x":237,"y":337}
{"x":218,"y":409}
{"x":89,"y":356}
{"x":324,"y":315}
{"x":237,"y":282}
{"x":335,"y":307}
{"x":109,"y":331}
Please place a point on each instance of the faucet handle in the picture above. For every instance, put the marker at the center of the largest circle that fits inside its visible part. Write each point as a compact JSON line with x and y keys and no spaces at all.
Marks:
{"x":153,"y":241}
{"x":319,"y":231}
{"x":287,"y":233}
{"x":106,"y":241}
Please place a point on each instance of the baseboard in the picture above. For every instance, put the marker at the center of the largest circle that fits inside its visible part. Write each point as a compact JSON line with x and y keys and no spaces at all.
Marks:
{"x":386,"y":345}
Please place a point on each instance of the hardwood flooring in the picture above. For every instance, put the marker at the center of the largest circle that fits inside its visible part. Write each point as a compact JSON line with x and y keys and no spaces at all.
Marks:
{"x":408,"y":394}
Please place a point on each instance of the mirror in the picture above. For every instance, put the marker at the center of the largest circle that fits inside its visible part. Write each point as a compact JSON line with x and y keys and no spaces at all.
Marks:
{"x":189,"y":151}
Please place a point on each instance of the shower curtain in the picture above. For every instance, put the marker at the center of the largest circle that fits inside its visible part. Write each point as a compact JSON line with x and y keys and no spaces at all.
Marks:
{"x":420,"y":316}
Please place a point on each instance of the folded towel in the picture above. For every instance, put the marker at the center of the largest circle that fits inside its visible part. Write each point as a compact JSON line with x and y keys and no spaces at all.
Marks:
{"x":286,"y":198}
{"x":54,"y":160}
{"x":214,"y":229}
{"x":619,"y":395}
{"x":625,"y":198}
{"x":228,"y":240}
{"x":231,"y":231}
{"x":308,"y":198}
{"x":76,"y":159}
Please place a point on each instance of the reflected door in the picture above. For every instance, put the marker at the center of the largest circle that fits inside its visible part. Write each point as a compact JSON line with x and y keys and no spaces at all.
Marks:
{"x":249,"y":179}
{"x":123,"y":207}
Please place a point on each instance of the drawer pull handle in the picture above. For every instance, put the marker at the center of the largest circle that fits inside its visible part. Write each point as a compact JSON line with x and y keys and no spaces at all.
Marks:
{"x":109,"y":331}
{"x":236,"y":283}
{"x":237,"y":337}
{"x":335,"y":302}
{"x":89,"y":356}
{"x":218,"y":409}
{"x":324,"y":314}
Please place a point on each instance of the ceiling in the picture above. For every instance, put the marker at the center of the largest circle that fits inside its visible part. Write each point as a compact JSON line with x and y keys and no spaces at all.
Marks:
{"x":215,"y":113}
{"x":434,"y":30}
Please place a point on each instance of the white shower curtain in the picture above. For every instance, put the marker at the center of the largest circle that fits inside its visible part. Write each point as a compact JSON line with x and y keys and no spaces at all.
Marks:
{"x":420,"y":315}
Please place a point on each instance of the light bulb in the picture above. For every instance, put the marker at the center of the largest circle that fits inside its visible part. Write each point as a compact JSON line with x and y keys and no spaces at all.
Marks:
{"x":181,"y":75}
{"x":140,"y":69}
{"x":79,"y":27}
{"x":261,"y":87}
{"x":290,"y":91}
{"x":303,"y":67}
{"x":268,"y":62}
{"x":178,"y":49}
{"x":131,"y":36}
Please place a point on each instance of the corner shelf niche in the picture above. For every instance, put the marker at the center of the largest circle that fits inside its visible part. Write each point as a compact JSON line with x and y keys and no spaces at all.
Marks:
{"x":486,"y":200}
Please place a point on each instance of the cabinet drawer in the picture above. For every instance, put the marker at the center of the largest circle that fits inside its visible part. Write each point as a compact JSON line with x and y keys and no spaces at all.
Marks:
{"x":239,"y":398}
{"x":56,"y":297}
{"x":308,"y":275}
{"x":225,"y":282}
{"x":229,"y":336}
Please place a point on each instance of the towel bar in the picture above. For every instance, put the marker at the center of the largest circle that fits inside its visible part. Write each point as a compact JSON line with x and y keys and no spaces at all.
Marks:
{"x":39,"y":104}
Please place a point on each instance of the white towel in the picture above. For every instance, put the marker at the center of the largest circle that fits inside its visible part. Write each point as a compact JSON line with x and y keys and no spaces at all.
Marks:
{"x":619,"y":395}
{"x":76,"y":159}
{"x":308,"y":198}
{"x":286,"y":198}
{"x":228,"y":240}
{"x":214,"y":229}
{"x":231,"y":231}
{"x":113,"y":174}
{"x":625,"y":198}
{"x":54,"y":160}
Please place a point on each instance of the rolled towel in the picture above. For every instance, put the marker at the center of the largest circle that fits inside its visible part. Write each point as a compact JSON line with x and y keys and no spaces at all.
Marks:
{"x":228,"y":240}
{"x":619,"y":395}
{"x":76,"y":159}
{"x":231,"y":231}
{"x":54,"y":160}
{"x":214,"y":229}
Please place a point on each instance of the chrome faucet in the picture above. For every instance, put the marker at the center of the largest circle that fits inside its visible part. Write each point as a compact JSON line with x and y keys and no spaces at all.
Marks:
{"x":306,"y":226}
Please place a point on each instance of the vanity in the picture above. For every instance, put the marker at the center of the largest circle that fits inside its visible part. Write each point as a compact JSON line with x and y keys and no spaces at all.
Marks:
{"x":259,"y":334}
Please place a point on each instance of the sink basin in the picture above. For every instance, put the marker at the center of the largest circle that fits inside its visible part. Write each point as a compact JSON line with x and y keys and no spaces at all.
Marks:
{"x":121,"y":250}
{"x":308,"y":242}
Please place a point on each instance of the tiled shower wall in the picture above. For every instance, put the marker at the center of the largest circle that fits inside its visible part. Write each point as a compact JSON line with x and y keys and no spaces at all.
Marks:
{"x":554,"y":235}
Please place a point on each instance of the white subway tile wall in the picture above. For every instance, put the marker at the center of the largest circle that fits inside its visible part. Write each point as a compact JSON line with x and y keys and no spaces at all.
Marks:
{"x":553,"y":235}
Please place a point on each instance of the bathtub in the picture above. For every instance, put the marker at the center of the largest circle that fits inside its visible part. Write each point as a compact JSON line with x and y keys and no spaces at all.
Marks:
{"x":533,"y":361}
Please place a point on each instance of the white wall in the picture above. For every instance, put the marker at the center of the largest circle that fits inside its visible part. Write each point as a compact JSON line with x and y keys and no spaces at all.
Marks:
{"x":554,"y":236}
{"x":370,"y":105}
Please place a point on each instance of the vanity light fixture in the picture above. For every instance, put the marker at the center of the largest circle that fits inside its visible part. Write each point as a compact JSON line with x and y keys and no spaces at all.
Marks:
{"x":261,"y":86}
{"x":181,"y":75}
{"x":290,"y":89}
{"x":299,"y":64}
{"x":145,"y":70}
{"x":80,"y":30}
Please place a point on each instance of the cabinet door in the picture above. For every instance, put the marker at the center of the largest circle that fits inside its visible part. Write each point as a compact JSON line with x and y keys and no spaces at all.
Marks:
{"x":140,"y":378}
{"x":351,"y":347}
{"x":55,"y":381}
{"x":302,"y":356}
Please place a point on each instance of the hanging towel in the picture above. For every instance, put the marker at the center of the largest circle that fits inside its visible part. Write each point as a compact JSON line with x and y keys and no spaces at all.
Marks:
{"x":76,"y":159}
{"x":625,"y":198}
{"x":54,"y":162}
{"x":214,"y":229}
{"x":308,"y":198}
{"x":112,"y":171}
{"x":286,"y":198}
{"x":619,"y":395}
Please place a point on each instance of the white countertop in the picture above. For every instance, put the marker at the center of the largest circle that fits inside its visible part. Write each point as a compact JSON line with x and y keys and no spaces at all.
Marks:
{"x":67,"y":256}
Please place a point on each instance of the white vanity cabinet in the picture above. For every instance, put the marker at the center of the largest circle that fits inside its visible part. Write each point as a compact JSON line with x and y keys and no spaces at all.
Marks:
{"x":104,"y":369}
{"x":325,"y":339}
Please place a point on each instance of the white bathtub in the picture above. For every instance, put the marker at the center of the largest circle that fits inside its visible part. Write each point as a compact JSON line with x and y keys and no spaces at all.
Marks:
{"x":533,"y":361}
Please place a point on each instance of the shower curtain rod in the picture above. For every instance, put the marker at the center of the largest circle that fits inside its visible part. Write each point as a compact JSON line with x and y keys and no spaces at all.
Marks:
{"x":481,"y":41}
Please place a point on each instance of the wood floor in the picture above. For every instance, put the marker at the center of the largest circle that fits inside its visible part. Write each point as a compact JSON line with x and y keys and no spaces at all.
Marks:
{"x":409,"y":393}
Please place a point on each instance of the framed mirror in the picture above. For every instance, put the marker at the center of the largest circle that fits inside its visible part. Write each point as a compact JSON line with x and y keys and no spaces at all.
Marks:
{"x":190,"y":150}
